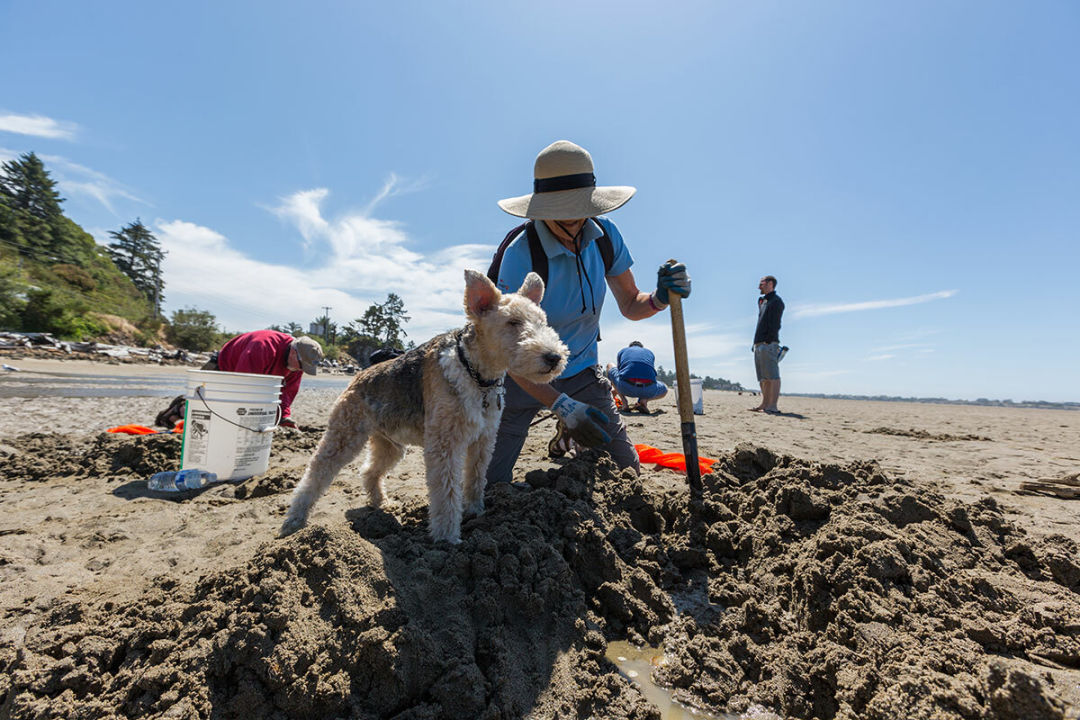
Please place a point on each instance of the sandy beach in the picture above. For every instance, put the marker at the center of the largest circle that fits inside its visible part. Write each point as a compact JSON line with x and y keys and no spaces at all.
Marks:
{"x":852,"y":559}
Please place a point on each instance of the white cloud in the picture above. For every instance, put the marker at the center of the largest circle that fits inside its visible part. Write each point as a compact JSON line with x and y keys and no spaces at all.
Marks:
{"x":38,"y":126}
{"x":75,"y":179}
{"x":358,"y":259}
{"x":393,"y":187}
{"x":884,"y":356}
{"x":814,"y":310}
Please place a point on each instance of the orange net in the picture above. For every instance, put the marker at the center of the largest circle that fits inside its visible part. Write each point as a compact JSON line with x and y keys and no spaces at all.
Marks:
{"x":676,"y":461}
{"x":132,"y":430}
{"x":143,"y":430}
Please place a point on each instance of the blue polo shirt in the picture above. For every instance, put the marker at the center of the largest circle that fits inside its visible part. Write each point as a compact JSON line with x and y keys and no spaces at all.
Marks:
{"x":570,"y":285}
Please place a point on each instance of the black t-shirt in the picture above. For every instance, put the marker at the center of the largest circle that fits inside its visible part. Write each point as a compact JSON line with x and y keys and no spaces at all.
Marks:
{"x":770,"y":308}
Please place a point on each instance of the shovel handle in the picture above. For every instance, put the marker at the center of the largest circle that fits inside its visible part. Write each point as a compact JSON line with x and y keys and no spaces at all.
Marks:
{"x":686,"y":403}
{"x":682,"y":362}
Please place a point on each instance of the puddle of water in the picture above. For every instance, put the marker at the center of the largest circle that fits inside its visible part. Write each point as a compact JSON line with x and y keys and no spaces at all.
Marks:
{"x":637,"y":664}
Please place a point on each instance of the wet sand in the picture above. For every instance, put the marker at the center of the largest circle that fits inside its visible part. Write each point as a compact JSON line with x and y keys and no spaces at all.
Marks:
{"x":852,"y":559}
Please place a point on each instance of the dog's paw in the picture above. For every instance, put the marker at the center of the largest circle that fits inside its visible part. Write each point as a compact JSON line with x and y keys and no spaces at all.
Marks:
{"x":475,"y":508}
{"x":291,"y":525}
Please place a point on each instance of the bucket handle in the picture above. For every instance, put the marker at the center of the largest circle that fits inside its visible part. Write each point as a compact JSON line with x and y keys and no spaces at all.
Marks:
{"x":272,"y":428}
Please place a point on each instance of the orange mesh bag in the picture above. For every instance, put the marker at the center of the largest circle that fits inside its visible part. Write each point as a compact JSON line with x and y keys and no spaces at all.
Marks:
{"x":676,"y":461}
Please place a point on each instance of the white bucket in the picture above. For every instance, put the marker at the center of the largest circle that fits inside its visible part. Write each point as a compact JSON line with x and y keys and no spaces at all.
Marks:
{"x":697,"y":395}
{"x":229,"y":422}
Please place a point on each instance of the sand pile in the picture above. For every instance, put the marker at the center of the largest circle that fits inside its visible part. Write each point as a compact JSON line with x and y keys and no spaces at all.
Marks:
{"x":41,"y":457}
{"x":925,"y":435}
{"x":816,"y":590}
{"x":851,"y":595}
{"x":372,"y":621}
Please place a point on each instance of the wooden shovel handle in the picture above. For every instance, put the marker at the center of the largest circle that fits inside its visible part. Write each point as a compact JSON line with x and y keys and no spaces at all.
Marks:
{"x":686,"y":402}
{"x":682,"y":362}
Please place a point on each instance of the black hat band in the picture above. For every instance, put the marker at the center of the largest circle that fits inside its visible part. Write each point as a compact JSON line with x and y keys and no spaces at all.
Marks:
{"x":564,"y":182}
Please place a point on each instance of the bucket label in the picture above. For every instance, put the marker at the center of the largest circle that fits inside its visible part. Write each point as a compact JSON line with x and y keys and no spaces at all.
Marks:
{"x":252,"y":447}
{"x":197,"y":440}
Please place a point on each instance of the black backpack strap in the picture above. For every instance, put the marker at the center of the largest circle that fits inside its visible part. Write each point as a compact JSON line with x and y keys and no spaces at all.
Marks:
{"x":536,"y":250}
{"x":540,"y":258}
{"x":496,"y":262}
{"x":605,"y":246}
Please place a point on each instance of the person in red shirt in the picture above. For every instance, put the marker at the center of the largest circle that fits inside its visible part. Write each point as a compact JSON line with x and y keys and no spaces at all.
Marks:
{"x":269,"y":352}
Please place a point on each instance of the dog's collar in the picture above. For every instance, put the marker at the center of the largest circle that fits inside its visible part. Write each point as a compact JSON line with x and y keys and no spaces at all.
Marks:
{"x":471,"y":370}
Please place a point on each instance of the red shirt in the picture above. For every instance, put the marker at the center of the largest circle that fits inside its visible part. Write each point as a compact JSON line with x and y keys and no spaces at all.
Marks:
{"x":263,"y":352}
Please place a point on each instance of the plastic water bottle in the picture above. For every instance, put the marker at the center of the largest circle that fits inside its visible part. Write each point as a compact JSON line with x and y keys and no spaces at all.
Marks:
{"x":179,"y":481}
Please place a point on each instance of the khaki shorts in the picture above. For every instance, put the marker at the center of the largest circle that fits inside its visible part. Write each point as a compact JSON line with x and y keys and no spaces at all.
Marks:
{"x":766,"y":361}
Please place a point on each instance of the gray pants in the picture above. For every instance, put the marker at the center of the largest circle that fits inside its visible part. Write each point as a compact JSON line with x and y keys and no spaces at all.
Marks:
{"x":588,"y":386}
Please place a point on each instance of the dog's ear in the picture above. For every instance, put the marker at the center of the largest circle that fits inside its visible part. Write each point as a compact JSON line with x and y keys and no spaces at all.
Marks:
{"x":480,"y":294}
{"x":532,"y":288}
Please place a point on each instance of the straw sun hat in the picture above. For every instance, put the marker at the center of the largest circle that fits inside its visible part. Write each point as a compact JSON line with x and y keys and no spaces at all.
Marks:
{"x":564,"y":187}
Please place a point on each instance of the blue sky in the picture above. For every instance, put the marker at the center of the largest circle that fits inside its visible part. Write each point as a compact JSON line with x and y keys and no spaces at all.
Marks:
{"x":909,"y":171}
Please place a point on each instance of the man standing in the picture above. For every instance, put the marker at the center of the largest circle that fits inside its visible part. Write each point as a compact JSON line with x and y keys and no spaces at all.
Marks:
{"x":635,"y":376}
{"x":268,"y":352}
{"x":767,"y":345}
{"x":584,"y":255}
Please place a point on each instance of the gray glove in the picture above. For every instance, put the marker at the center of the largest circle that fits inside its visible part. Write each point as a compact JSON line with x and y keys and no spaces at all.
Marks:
{"x":584,"y":423}
{"x":672,"y":277}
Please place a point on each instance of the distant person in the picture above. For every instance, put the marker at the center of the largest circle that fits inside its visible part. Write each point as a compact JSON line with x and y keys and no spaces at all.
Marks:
{"x":269,"y":352}
{"x":767,"y":345}
{"x":635,"y":376}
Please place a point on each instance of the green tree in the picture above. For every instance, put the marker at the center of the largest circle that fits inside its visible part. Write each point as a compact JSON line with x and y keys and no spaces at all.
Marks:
{"x":384,"y":322}
{"x":50,"y":311}
{"x":33,"y":207}
{"x":193,"y":329}
{"x":327,"y":328}
{"x":12,"y":299}
{"x":138,"y":254}
{"x":292,"y":328}
{"x":9,"y":234}
{"x":381,"y":326}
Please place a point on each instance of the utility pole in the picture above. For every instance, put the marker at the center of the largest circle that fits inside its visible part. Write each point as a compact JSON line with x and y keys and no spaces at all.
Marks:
{"x":326,"y":322}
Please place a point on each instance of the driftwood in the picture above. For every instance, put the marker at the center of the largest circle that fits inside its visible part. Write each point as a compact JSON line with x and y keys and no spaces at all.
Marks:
{"x":1067,"y":487}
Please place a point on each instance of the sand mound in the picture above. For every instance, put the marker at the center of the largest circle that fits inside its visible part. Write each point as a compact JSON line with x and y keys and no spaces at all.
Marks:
{"x":51,"y":456}
{"x":816,"y":590}
{"x":39,"y":457}
{"x":925,"y":435}
{"x":848,"y":594}
{"x":373,"y":621}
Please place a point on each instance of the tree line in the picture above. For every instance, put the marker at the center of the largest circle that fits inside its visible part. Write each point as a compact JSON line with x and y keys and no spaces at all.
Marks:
{"x":707,"y":383}
{"x":55,"y":278}
{"x":382,"y":326}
